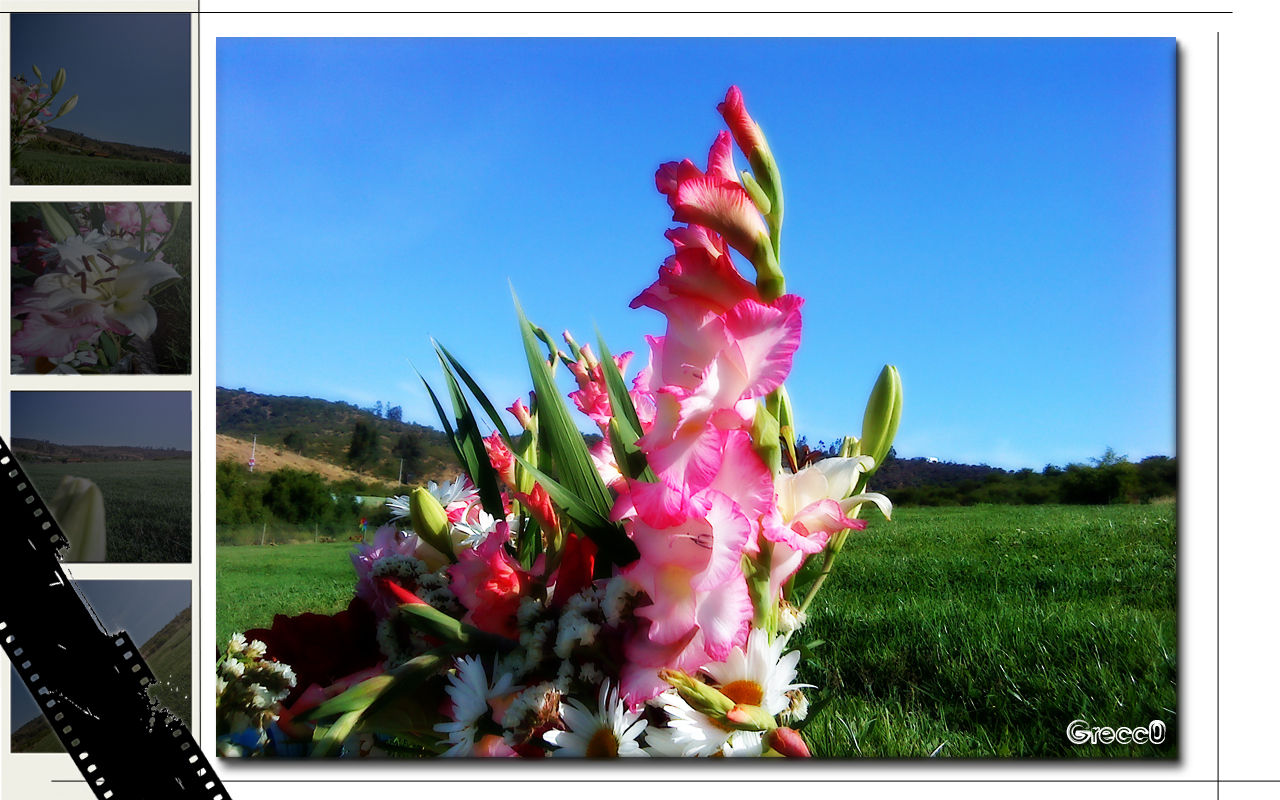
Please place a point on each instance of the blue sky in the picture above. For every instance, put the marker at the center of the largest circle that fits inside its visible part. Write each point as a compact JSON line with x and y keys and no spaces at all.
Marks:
{"x":131,"y":71}
{"x":140,"y":607}
{"x":133,"y":419}
{"x":993,"y":216}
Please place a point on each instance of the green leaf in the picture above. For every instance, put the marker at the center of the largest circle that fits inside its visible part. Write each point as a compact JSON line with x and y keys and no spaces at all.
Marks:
{"x":407,"y":678}
{"x":97,"y":215}
{"x":331,"y":738}
{"x":631,"y":460}
{"x":109,"y":350}
{"x":608,"y":536}
{"x":357,"y":699}
{"x":19,"y":272}
{"x":444,"y":423}
{"x":458,"y":637}
{"x":475,"y":391}
{"x":471,"y":444}
{"x":568,"y":450}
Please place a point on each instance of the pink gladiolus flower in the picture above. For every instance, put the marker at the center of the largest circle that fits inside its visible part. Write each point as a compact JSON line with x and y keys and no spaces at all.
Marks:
{"x":128,"y":217}
{"x":501,"y":457}
{"x":700,"y":275}
{"x":521,"y":413}
{"x":489,"y":584}
{"x":690,"y":566}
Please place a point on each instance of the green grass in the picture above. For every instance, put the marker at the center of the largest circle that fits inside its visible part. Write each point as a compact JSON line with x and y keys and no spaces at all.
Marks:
{"x":256,"y":583}
{"x":42,"y":168}
{"x":991,"y":628}
{"x":985,"y":629}
{"x":148,"y":505}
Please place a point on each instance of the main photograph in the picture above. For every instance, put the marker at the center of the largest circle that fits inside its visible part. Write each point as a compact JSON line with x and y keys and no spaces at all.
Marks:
{"x":537,"y":437}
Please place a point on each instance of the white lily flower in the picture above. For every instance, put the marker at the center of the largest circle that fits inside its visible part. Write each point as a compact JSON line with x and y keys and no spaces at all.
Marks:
{"x":117,"y":280}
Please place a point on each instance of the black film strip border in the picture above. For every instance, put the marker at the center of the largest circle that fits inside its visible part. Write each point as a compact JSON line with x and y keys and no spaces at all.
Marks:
{"x":90,"y":685}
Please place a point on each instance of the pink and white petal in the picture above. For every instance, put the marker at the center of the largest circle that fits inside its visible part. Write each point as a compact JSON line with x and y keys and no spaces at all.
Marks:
{"x":42,"y":335}
{"x":720,"y":159}
{"x":728,"y":531}
{"x":724,"y":616}
{"x":723,"y":206}
{"x":766,"y":338}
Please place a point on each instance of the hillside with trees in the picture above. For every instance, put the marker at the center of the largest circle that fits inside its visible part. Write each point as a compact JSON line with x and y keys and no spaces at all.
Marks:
{"x":373,"y":442}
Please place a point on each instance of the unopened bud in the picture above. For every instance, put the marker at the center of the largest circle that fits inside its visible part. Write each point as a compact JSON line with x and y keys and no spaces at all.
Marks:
{"x":70,"y":104}
{"x":58,"y":81}
{"x":36,"y":70}
{"x":706,"y":699}
{"x":880,"y":421}
{"x":787,"y":742}
{"x":430,"y":521}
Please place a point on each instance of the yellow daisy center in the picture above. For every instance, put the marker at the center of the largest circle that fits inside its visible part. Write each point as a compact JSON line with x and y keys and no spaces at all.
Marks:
{"x":603,"y":744}
{"x":747,"y":693}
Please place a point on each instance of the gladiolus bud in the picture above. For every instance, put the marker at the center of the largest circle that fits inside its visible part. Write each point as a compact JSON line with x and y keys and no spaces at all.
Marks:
{"x":78,"y":508}
{"x":758,"y":195}
{"x":764,"y":439}
{"x":787,"y":742}
{"x":706,"y":699}
{"x":430,"y":521}
{"x":750,"y":718}
{"x":58,"y":81}
{"x":880,"y":421}
{"x":36,"y":70}
{"x":70,"y":104}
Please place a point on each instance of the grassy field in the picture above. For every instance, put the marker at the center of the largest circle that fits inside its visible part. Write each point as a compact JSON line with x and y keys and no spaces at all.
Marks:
{"x":148,"y":505}
{"x":42,"y":168}
{"x":983,"y":631}
{"x":256,"y":583}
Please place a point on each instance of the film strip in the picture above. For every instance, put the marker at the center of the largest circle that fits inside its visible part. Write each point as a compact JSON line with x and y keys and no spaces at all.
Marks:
{"x":91,"y":685}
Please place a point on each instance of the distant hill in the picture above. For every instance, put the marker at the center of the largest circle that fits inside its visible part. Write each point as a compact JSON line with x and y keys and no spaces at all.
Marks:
{"x":903,"y":473}
{"x":167,"y":653}
{"x":33,"y":451}
{"x":72,"y":142}
{"x":322,"y":430}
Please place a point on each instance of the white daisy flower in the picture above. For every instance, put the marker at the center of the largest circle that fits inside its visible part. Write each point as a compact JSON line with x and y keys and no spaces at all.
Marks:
{"x":744,"y":744}
{"x":452,"y":491}
{"x":399,"y":507}
{"x":470,"y":692}
{"x":474,"y":535}
{"x":760,"y":675}
{"x":611,"y":733}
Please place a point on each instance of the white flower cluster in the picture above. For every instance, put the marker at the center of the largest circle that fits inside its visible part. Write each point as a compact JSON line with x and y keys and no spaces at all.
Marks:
{"x":434,"y":591}
{"x":248,"y":689}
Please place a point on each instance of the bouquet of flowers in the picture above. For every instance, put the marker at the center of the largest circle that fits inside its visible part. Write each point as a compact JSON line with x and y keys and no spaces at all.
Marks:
{"x":28,"y":104}
{"x":82,"y":279}
{"x":637,"y":597}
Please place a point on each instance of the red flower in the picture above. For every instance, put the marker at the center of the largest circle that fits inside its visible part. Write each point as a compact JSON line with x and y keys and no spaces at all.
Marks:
{"x":489,"y":583}
{"x":320,"y":648}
